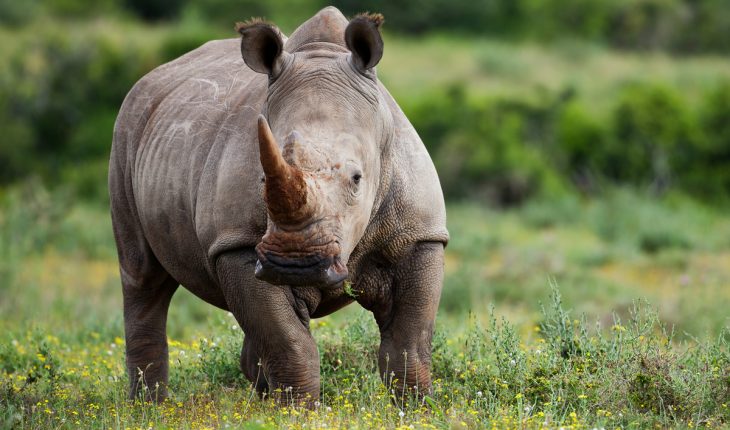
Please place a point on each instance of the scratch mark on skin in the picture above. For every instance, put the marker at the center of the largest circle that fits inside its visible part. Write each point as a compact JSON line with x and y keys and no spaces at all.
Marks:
{"x":212,"y":83}
{"x":253,"y":109}
{"x":234,"y":81}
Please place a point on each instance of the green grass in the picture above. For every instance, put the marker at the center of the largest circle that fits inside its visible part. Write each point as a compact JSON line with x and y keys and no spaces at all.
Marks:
{"x":509,"y":350}
{"x":603,"y":253}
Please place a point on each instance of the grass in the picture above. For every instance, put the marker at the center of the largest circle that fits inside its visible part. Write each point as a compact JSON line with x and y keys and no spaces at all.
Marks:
{"x":509,"y":350}
{"x":603,"y":253}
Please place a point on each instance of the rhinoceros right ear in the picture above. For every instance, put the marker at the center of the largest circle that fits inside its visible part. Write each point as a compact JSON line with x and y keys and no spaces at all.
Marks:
{"x":363,"y":39}
{"x":262,"y":47}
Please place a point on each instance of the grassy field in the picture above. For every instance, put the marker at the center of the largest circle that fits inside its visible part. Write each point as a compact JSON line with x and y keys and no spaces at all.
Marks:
{"x":639,"y":337}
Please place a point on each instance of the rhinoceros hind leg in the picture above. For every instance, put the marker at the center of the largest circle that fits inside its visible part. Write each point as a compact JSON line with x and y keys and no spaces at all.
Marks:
{"x":145,"y":317}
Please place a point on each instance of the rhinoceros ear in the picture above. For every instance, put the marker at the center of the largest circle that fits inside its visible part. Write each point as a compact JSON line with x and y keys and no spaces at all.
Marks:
{"x":363,"y":40}
{"x":262,"y":46}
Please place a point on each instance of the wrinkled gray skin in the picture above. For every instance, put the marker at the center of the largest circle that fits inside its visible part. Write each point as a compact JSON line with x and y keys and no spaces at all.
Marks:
{"x":189,"y":203}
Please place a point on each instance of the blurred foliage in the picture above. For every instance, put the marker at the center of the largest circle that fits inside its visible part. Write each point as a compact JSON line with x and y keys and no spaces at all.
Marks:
{"x":60,"y":94}
{"x":509,"y":149}
{"x":152,"y":10}
{"x":62,"y":84}
{"x":479,"y":148}
{"x":675,"y":25}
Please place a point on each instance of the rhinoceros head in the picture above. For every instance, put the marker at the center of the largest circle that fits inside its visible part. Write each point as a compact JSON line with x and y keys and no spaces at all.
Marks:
{"x":320,"y":143}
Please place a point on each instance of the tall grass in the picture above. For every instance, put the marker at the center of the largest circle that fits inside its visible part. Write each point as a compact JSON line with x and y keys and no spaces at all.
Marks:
{"x":563,"y":373}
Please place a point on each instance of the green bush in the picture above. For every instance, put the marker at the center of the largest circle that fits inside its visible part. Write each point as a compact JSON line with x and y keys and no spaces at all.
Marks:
{"x":580,"y":138}
{"x":652,"y":133}
{"x":61,"y":90}
{"x":674,"y":25}
{"x":647,"y":24}
{"x":507,"y":150}
{"x":75,"y":9}
{"x":15,"y":13}
{"x":154,"y":10}
{"x":706,"y":29}
{"x":59,"y":97}
{"x":707,"y":168}
{"x":185,"y":40}
{"x":80,"y":79}
{"x":584,"y":18}
{"x":226,"y":12}
{"x":412,"y":16}
{"x":490,"y":150}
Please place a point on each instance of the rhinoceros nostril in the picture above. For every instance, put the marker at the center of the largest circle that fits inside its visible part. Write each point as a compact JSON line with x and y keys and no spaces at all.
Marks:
{"x":336,"y":272}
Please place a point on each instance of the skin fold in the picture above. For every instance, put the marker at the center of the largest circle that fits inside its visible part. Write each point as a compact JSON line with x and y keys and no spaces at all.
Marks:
{"x":263,"y":173}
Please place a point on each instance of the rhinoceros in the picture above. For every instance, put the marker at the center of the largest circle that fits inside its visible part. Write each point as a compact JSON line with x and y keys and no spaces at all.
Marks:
{"x":276,"y":178}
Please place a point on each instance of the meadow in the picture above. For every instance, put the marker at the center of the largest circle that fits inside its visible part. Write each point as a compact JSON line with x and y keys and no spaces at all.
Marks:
{"x":599,"y":313}
{"x":606,"y":309}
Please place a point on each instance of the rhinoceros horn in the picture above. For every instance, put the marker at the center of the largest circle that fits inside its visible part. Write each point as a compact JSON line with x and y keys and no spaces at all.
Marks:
{"x":285,"y":189}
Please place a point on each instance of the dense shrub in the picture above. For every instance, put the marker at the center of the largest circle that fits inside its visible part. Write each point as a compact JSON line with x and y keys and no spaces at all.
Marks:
{"x":412,"y":16}
{"x":287,"y":14}
{"x":60,"y":91}
{"x":707,"y":28}
{"x":580,"y":138}
{"x":59,"y":96}
{"x":185,"y":40}
{"x":707,"y":168}
{"x":14,"y":13}
{"x":227,"y":12}
{"x":676,"y":25}
{"x":154,"y":10}
{"x":484,"y":149}
{"x":507,"y":150}
{"x":652,"y":134}
{"x":75,"y":9}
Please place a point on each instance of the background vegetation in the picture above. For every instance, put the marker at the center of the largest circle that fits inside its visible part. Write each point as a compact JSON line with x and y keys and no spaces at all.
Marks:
{"x":584,"y":144}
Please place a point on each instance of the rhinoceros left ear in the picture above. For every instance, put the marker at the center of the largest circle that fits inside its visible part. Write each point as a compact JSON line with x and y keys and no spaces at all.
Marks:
{"x":364,"y":41}
{"x":262,"y":46}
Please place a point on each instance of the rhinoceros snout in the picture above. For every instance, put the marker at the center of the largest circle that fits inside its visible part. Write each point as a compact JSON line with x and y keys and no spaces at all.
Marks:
{"x":310,"y":270}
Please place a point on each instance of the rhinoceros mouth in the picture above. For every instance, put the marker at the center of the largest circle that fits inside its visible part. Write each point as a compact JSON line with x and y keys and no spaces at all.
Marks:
{"x":310,"y":270}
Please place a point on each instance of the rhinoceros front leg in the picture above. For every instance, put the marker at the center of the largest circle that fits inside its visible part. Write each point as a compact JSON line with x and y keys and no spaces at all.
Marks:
{"x":405,"y":312}
{"x":279,"y":352}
